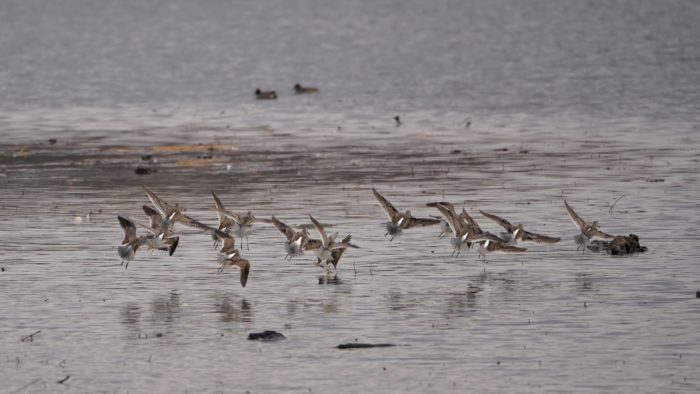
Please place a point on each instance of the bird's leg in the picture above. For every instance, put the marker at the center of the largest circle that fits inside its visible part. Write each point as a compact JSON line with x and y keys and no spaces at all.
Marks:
{"x":458,"y":252}
{"x":247,"y":243}
{"x":221,"y":269}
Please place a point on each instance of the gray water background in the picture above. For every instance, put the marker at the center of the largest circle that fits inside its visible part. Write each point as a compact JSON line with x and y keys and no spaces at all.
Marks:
{"x":579,"y":99}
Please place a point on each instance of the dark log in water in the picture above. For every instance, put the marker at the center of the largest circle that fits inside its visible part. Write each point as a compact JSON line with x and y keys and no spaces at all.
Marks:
{"x":266,"y":336}
{"x":363,"y":345}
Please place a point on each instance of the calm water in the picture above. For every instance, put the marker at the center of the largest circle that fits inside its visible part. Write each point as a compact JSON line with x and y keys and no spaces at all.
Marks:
{"x":565,"y":98}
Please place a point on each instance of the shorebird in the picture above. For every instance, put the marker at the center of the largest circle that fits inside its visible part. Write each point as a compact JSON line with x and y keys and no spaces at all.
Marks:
{"x":464,"y":233}
{"x":399,"y":221}
{"x":444,"y":229}
{"x":514,"y":233}
{"x":243,"y":223}
{"x":588,"y":231}
{"x":298,"y":89}
{"x":159,"y":238}
{"x":329,"y":252}
{"x":173,"y":214}
{"x":265,"y":95}
{"x":130,"y":243}
{"x":297,"y":240}
{"x":492,"y":246}
{"x":230,"y":256}
{"x":226,"y":224}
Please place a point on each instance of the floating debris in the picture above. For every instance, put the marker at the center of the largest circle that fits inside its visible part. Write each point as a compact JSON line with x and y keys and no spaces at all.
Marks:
{"x":398,"y":120}
{"x":655,"y":180}
{"x":143,"y":170}
{"x":63,"y":380}
{"x":266,"y":336}
{"x":364,"y":345}
{"x":30,"y":337}
{"x":620,"y":245}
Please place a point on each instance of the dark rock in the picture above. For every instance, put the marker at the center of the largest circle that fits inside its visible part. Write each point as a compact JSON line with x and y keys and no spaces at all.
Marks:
{"x":355,"y":345}
{"x":266,"y":336}
{"x":53,"y":141}
{"x":143,"y":170}
{"x":146,"y":157}
{"x":619,"y":246}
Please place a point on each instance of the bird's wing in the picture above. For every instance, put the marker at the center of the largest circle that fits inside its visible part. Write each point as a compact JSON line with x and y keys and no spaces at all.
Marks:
{"x":129,"y":229}
{"x":154,"y":217}
{"x":484,"y":236}
{"x":228,"y":245}
{"x":453,"y":220}
{"x":188,"y":221}
{"x":321,"y":231}
{"x":312,"y":244}
{"x":230,"y":215}
{"x":288,"y":232}
{"x":539,"y":238}
{"x":224,"y":221}
{"x":472,"y":223}
{"x":244,"y":265}
{"x":445,"y":203}
{"x":157,"y":202}
{"x":422,"y":222}
{"x":500,"y":221}
{"x":507,"y":248}
{"x":599,"y":234}
{"x":580,"y":223}
{"x":389,"y":209}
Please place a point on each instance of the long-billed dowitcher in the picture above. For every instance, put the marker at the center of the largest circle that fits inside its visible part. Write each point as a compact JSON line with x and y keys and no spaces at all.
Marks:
{"x":161,"y":237}
{"x":329,"y":252}
{"x":297,"y":240}
{"x":226,"y":224}
{"x":173,"y":214}
{"x":230,"y":256}
{"x":464,"y":232}
{"x":494,"y":246}
{"x":399,"y":221}
{"x":130,"y":243}
{"x":588,"y":231}
{"x":243,"y":223}
{"x":515,"y":233}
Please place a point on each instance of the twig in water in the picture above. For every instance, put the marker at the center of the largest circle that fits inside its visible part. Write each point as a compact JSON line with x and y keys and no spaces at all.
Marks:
{"x":63,"y":380}
{"x":467,"y":122}
{"x":30,"y":337}
{"x":613,"y":204}
{"x":25,"y":386}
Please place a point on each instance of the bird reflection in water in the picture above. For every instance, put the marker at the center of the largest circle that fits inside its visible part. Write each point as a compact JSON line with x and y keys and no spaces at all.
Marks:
{"x":329,"y":280}
{"x":233,"y":311}
{"x":462,"y":303}
{"x":131,"y":313}
{"x":166,"y":309}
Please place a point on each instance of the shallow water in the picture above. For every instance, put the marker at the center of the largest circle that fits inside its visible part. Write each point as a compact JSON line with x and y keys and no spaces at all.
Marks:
{"x":549,"y":319}
{"x":566,"y":99}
